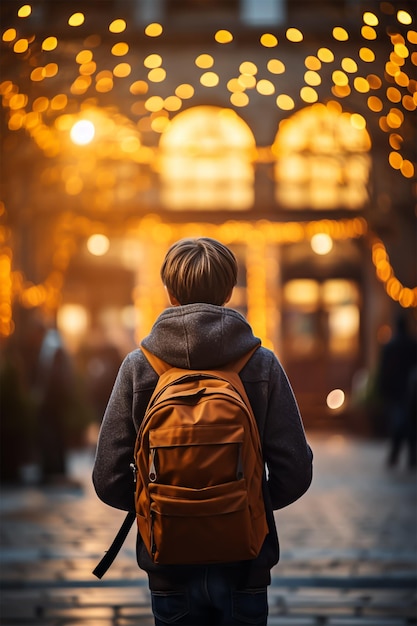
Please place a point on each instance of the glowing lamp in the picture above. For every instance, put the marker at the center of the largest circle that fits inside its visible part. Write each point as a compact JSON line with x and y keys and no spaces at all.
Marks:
{"x":82,"y":132}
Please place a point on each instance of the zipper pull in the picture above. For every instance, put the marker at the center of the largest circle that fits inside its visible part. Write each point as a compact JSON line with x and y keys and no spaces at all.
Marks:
{"x":134,"y":470}
{"x":152,"y":468}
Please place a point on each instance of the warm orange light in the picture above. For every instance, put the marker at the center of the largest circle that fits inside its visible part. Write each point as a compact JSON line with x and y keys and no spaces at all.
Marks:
{"x":73,"y":319}
{"x":367,"y":55}
{"x":375,"y":104}
{"x":204,"y":61}
{"x":152,"y":61}
{"x":370,"y":19}
{"x":325,"y":55}
{"x":247,"y":81}
{"x":349,"y":65}
{"x":275,"y":66}
{"x":184,"y":91}
{"x":249,"y":68}
{"x":285,"y":102}
{"x":294,"y":34}
{"x":321,"y":243}
{"x":374,"y":81}
{"x":82,"y":132}
{"x":265,"y":87}
{"x":239,"y":99}
{"x":120,"y":49}
{"x":24,"y":10}
{"x":335,"y":399}
{"x":76,"y":19}
{"x":80,"y":85}
{"x":117,"y":26}
{"x":268,"y":40}
{"x":172,"y":103}
{"x":340,"y":33}
{"x":223,"y":36}
{"x":312,"y":78}
{"x":21,"y":46}
{"x":361,"y":84}
{"x":407,"y":169}
{"x":98,"y":244}
{"x":234,"y":85}
{"x":153,"y":30}
{"x":59,"y":102}
{"x":368,"y":32}
{"x":312,"y":63}
{"x":139,"y":87}
{"x":358,"y":121}
{"x":9,"y":34}
{"x":154,"y":103}
{"x":308,"y":94}
{"x":209,"y":79}
{"x":395,"y":160}
{"x":40,"y":104}
{"x":50,"y":43}
{"x":121,"y":70}
{"x":404,"y":17}
{"x":104,"y":84}
{"x":340,"y":78}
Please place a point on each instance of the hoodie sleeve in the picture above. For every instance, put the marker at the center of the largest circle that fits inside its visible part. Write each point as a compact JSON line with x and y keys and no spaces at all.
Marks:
{"x":287,"y":454}
{"x":112,"y":475}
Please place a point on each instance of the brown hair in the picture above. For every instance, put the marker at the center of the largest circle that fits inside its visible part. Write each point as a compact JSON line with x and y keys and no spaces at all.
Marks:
{"x":199,"y":270}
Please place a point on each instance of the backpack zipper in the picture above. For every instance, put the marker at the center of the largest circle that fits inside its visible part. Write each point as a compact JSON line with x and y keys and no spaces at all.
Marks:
{"x":134,"y":470}
{"x":152,"y":468}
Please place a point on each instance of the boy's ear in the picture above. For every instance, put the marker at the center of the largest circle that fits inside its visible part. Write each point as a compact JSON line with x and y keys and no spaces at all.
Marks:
{"x":172,"y":298}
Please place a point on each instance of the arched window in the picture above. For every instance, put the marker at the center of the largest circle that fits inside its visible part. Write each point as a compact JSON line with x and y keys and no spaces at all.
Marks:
{"x":206,"y":157}
{"x":321,"y":317}
{"x":322,"y":159}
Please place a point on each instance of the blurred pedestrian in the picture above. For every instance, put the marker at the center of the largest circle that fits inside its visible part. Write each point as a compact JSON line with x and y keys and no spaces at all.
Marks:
{"x":37,"y":381}
{"x":396,"y":386}
{"x":52,"y":388}
{"x":17,"y":411}
{"x":412,"y":417}
{"x":199,"y":332}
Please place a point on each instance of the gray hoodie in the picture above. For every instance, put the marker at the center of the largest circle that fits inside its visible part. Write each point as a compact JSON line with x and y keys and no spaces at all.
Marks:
{"x":205,"y":336}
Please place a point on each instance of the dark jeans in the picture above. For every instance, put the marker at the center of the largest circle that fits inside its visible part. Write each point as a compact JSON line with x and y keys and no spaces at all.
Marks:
{"x":210,"y":599}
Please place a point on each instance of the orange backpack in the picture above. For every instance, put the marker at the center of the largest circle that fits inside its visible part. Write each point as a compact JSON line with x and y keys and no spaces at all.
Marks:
{"x":199,"y":468}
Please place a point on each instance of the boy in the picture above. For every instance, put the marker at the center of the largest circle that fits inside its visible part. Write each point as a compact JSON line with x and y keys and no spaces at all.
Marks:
{"x":198,"y":332}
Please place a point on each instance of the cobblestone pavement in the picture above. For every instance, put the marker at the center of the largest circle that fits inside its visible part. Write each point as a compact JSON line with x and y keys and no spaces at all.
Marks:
{"x":348,"y":549}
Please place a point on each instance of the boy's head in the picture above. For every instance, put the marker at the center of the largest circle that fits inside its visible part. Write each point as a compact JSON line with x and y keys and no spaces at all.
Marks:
{"x":199,"y":270}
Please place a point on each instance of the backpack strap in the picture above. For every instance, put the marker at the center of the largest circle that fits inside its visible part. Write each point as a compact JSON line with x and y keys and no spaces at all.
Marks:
{"x":158,"y":364}
{"x":114,"y":549}
{"x":239,"y":364}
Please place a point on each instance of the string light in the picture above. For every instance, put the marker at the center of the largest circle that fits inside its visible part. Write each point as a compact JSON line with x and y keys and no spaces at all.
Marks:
{"x":385,"y":273}
{"x":33,"y":114}
{"x":395,"y":68}
{"x":261,"y":234}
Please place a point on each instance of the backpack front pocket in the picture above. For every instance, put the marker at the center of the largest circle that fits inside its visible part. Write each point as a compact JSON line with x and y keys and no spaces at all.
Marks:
{"x":210,"y":525}
{"x":213,"y":450}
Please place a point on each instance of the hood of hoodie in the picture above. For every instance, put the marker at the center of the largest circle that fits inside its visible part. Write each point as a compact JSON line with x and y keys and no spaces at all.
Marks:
{"x":200,"y":336}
